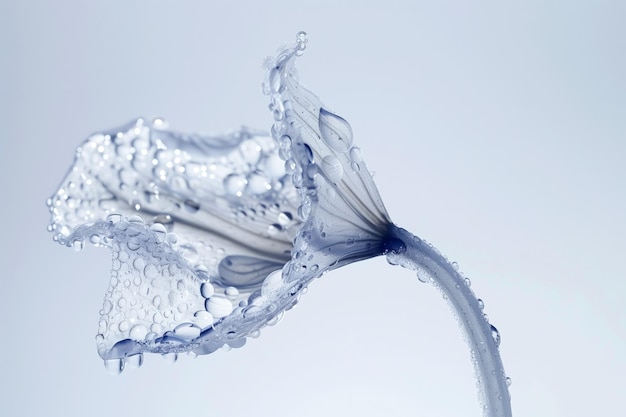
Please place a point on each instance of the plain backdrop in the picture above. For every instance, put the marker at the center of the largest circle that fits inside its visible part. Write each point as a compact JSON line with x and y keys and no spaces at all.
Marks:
{"x":496,"y":130}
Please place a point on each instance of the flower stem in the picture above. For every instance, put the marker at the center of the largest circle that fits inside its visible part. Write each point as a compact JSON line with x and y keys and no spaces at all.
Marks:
{"x":413,"y":253}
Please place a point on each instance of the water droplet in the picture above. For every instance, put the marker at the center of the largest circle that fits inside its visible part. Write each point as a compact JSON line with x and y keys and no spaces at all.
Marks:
{"x":235,"y":184}
{"x":191,"y":206}
{"x":138,"y":332}
{"x":106,"y":307}
{"x":231,"y":292}
{"x":335,"y":130}
{"x":134,"y":361}
{"x":355,"y":155}
{"x":304,"y":210}
{"x":284,"y":218}
{"x":333,"y":168}
{"x":455,"y":265}
{"x":423,"y":276}
{"x":508,"y":381}
{"x":78,"y":245}
{"x":301,"y":41}
{"x":133,"y":244}
{"x":258,"y":184}
{"x":139,"y":264}
{"x":495,"y":334}
{"x":207,"y":290}
{"x":187,"y":331}
{"x":123,"y":326}
{"x":274,"y":229}
{"x":218,"y":306}
{"x":170,"y":357}
{"x":467,"y":281}
{"x":203,"y":318}
{"x":290,"y":166}
{"x":150,"y":271}
{"x":159,"y":230}
{"x":114,"y":366}
{"x":481,"y":304}
{"x":156,"y":301}
{"x":250,"y":150}
{"x":114,"y":217}
{"x":301,"y":37}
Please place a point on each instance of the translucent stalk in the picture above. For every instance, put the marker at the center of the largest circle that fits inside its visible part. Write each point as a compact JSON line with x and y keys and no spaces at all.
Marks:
{"x":413,"y":253}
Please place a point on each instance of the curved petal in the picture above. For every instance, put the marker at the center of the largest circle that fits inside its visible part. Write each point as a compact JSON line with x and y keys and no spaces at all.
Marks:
{"x":345,"y":219}
{"x":195,"y":225}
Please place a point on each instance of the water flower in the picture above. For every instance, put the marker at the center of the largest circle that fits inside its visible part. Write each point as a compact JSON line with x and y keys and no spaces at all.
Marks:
{"x":214,"y":237}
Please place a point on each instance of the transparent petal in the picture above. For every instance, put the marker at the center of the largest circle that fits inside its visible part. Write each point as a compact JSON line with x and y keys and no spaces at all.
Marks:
{"x":195,"y":225}
{"x":345,"y":219}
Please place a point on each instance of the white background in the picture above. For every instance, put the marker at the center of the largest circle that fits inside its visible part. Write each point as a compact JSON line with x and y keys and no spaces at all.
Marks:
{"x":495,"y":130}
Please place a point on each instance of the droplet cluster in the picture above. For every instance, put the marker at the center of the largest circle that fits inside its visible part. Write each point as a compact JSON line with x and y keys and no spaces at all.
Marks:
{"x":142,"y":167}
{"x":174,"y":210}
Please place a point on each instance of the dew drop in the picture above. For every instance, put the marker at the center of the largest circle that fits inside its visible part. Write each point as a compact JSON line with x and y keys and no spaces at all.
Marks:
{"x":207,"y":290}
{"x":191,"y":206}
{"x":258,"y":184}
{"x":468,"y":282}
{"x":187,"y":331}
{"x":331,"y":166}
{"x":301,"y":37}
{"x":290,"y":166}
{"x":138,"y":332}
{"x":284,"y":218}
{"x":156,"y":301}
{"x":106,"y":307}
{"x":335,"y":130}
{"x":114,"y":366}
{"x":78,"y":245}
{"x":159,"y":230}
{"x":123,"y":326}
{"x":218,"y":306}
{"x":301,"y":41}
{"x":134,"y":361}
{"x":235,"y":184}
{"x":355,"y":155}
{"x":231,"y":292}
{"x":481,"y":304}
{"x":114,"y":217}
{"x":203,"y":318}
{"x":495,"y":334}
{"x":304,"y":210}
{"x":508,"y":381}
{"x":274,"y":229}
{"x":170,"y":357}
{"x":150,"y":271}
{"x":133,"y":244}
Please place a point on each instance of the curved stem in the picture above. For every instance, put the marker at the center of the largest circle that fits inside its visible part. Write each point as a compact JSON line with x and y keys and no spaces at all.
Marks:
{"x":413,"y":253}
